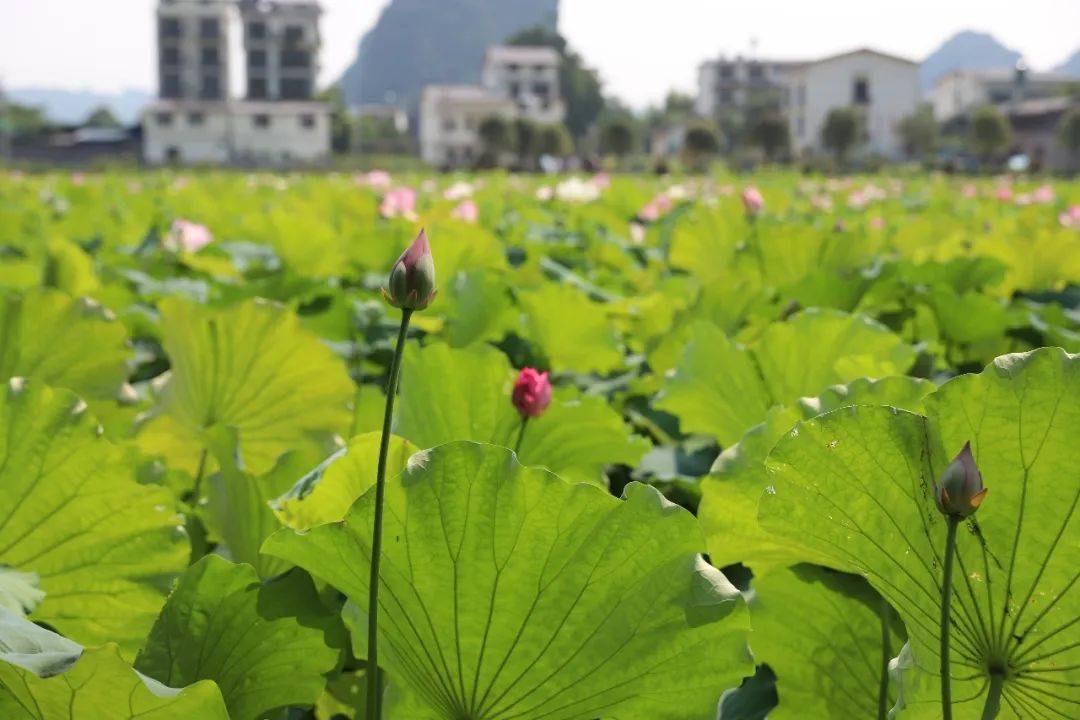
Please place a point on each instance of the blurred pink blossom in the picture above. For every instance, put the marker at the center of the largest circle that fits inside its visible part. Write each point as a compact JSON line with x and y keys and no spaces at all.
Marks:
{"x":752,"y":201}
{"x":466,"y":211}
{"x":1043,"y":194}
{"x":188,"y":236}
{"x":877,"y":223}
{"x":1004,"y":193}
{"x":970,"y":191}
{"x":1070,"y":218}
{"x":376,"y":179}
{"x":600,"y":180}
{"x":399,"y":202}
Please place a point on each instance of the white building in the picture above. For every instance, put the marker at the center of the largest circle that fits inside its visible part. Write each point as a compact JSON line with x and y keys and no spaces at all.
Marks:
{"x":959,"y":91}
{"x":883,"y":88}
{"x":450,"y":116}
{"x":731,"y":87}
{"x":529,"y":76}
{"x":199,"y":119}
{"x":516,"y":83}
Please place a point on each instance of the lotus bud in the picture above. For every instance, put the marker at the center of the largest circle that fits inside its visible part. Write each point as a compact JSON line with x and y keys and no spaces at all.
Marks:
{"x":961,"y":489}
{"x":532,"y":392}
{"x":752,"y":201}
{"x":412,"y":280}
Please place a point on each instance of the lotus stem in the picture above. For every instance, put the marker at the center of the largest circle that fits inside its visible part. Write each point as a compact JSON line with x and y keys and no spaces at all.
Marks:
{"x":993,"y":698}
{"x":521,"y":434}
{"x":946,"y":600}
{"x":374,"y":697}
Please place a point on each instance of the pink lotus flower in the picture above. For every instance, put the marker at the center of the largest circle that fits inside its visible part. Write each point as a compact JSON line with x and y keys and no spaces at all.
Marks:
{"x":412,"y":279}
{"x":970,"y":191}
{"x":960,"y":491}
{"x":1004,"y":193}
{"x":376,"y":179}
{"x":532,"y":392}
{"x":821,"y":203}
{"x":1043,"y":194}
{"x":877,"y":223}
{"x":399,"y":202}
{"x":752,"y":201}
{"x":78,"y":179}
{"x":600,"y":180}
{"x":466,"y":211}
{"x":1070,"y":218}
{"x":188,"y":236}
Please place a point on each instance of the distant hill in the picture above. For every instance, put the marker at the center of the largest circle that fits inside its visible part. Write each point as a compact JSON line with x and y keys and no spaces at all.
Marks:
{"x":1070,"y":66}
{"x":69,"y":107}
{"x":418,"y":42}
{"x":966,"y":50}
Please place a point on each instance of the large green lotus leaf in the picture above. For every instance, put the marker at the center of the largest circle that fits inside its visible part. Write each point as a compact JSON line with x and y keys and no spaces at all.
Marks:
{"x":266,"y":646}
{"x":325,"y":494}
{"x":853,"y":488}
{"x":477,"y":306}
{"x":508,"y":592}
{"x":572,"y":331}
{"x":64,"y":342}
{"x":464,"y":394}
{"x":822,"y":633}
{"x":731,"y":492}
{"x":45,"y":676}
{"x":251,"y":367}
{"x":723,"y":388}
{"x":103,"y":547}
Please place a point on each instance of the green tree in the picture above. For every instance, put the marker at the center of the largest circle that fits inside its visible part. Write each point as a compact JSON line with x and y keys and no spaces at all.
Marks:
{"x":102,"y":117}
{"x":19,"y":120}
{"x":617,"y":138}
{"x":555,"y":140}
{"x":770,"y":133}
{"x":526,"y":142}
{"x":579,"y":86}
{"x":700,"y":144}
{"x":919,"y":132}
{"x":1069,"y":132}
{"x":840,"y":132}
{"x":990,"y":133}
{"x":342,"y":128}
{"x":496,"y":139}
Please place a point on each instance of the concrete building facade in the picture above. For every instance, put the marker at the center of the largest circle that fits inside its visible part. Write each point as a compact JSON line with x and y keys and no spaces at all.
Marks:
{"x":198,"y":119}
{"x":961,"y":91}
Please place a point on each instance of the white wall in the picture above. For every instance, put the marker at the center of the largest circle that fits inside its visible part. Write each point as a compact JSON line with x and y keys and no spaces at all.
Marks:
{"x":817,"y":88}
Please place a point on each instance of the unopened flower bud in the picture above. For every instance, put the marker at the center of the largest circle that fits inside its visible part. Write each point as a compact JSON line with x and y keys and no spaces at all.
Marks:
{"x":961,"y":490}
{"x":752,"y":201}
{"x":532,"y":392}
{"x":412,"y":280}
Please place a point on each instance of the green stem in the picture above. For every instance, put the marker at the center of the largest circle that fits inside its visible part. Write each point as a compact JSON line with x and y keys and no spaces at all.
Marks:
{"x":374,"y":699}
{"x":886,"y":657}
{"x":521,"y":434}
{"x":993,"y":698}
{"x":946,"y":600}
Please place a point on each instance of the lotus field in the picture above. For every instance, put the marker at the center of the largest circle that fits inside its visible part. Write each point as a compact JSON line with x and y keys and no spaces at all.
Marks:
{"x":538,"y":448}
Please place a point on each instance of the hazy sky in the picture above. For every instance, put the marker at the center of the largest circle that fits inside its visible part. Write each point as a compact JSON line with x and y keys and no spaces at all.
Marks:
{"x":641,"y":47}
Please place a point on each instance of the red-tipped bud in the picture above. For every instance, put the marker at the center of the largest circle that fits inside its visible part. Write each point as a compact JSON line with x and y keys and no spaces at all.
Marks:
{"x":752,"y":201}
{"x":412,"y":280}
{"x":532,"y":392}
{"x":961,"y":490}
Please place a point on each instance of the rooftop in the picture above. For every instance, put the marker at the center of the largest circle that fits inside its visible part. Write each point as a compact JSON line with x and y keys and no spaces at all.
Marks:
{"x":525,"y":54}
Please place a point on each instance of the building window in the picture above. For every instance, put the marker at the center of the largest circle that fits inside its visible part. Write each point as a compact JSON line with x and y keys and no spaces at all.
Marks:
{"x":540,"y":88}
{"x":170,"y":55}
{"x":211,"y":88}
{"x":861,"y":91}
{"x":209,"y":56}
{"x":800,"y":95}
{"x":448,"y":125}
{"x":539,"y":69}
{"x":169,"y":27}
{"x":294,"y":34}
{"x":513,"y":67}
{"x":172,"y":154}
{"x":164,"y":119}
{"x":307,"y":121}
{"x":515,"y":89}
{"x":756,"y":71}
{"x":196,"y":118}
{"x":295,"y":59}
{"x":295,"y":89}
{"x":208,"y":28}
{"x":170,"y":86}
{"x":256,"y":30}
{"x":257,"y":58}
{"x":262,"y":122}
{"x":256,"y":88}
{"x":725,"y":96}
{"x":727,"y":72}
{"x":800,"y":126}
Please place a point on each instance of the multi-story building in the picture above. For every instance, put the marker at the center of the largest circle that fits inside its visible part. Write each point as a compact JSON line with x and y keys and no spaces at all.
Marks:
{"x":732,"y":89}
{"x":199,"y":120}
{"x":517,"y":83}
{"x":882,"y":88}
{"x":960,"y":91}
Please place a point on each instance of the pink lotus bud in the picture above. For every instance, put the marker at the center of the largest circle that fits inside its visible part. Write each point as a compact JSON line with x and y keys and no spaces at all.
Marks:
{"x":188,"y":236}
{"x":466,"y":211}
{"x":961,"y":489}
{"x":377,"y":179}
{"x":1004,"y":193}
{"x":412,"y":280}
{"x":600,"y":180}
{"x":752,"y":201}
{"x":877,"y":223}
{"x":970,"y":191}
{"x":1043,"y":194}
{"x":1070,"y":218}
{"x":399,"y":202}
{"x":532,"y":392}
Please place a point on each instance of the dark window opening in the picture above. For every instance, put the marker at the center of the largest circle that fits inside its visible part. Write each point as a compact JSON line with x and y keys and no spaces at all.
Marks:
{"x":757,"y":72}
{"x":170,"y":86}
{"x":307,"y":121}
{"x":211,"y":88}
{"x":209,"y":28}
{"x":515,"y":89}
{"x":256,"y":30}
{"x":169,"y":27}
{"x":260,"y":121}
{"x":727,"y":71}
{"x":257,"y":88}
{"x":295,"y":59}
{"x":196,"y":118}
{"x":540,"y":88}
{"x":257,"y":58}
{"x":861,"y":91}
{"x":170,"y":55}
{"x":294,"y":34}
{"x":164,"y":119}
{"x":295,"y":89}
{"x":209,"y":56}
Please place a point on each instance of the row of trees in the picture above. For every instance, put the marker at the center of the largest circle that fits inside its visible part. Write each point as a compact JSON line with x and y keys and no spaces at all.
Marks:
{"x":521,"y":142}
